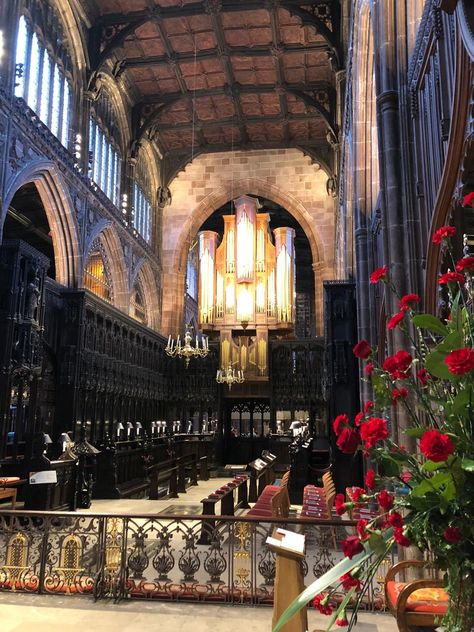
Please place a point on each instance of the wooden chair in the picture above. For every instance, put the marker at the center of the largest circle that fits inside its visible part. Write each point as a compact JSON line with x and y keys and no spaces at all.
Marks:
{"x":8,"y":492}
{"x":418,"y":603}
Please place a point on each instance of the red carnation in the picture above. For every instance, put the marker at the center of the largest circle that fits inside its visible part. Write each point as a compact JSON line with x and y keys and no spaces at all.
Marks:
{"x":436,"y":446}
{"x":369,"y":404}
{"x":361,"y":529}
{"x":452,"y":535}
{"x":340,"y":505}
{"x":398,"y":365}
{"x":356,"y":493}
{"x":342,"y":621}
{"x":373,"y":430}
{"x":451,"y":277}
{"x":396,"y":320}
{"x":406,"y":477}
{"x":370,"y":480}
{"x":445,"y":232}
{"x":339,"y":423}
{"x":460,"y":361}
{"x":468,"y":199}
{"x":385,"y":500}
{"x":399,"y":393}
{"x":407,"y":300}
{"x":321,"y":602}
{"x":380,"y":274}
{"x":348,"y":440}
{"x":400,"y":538}
{"x":358,"y":418}
{"x":348,"y":582}
{"x":423,"y":376}
{"x":466,"y":263}
{"x":351,"y":546}
{"x":362,"y":350}
{"x":395,"y":520}
{"x":369,"y":367}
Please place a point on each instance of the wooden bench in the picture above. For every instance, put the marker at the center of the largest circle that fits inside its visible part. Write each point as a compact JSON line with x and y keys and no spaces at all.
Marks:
{"x":186,"y":465}
{"x":225,"y":496}
{"x":160,"y":473}
{"x":274,"y":501}
{"x":418,"y":603}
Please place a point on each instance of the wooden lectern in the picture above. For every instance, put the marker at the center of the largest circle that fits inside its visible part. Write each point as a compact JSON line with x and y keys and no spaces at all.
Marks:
{"x":289,"y":547}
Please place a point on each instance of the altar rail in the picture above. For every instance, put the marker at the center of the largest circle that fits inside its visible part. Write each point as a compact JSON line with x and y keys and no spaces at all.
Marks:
{"x":158,"y":556}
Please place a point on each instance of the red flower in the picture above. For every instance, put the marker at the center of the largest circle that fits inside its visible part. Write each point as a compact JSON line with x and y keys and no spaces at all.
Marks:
{"x":397,"y":365}
{"x":400,"y":538}
{"x":452,"y":535}
{"x":370,"y":480}
{"x":468,"y":199}
{"x":405,"y":301}
{"x":395,"y":520}
{"x":342,"y":622}
{"x":358,"y":418}
{"x":369,"y":367}
{"x":396,"y":320}
{"x":423,"y":376}
{"x":356,"y":493}
{"x":339,"y":423}
{"x":451,"y":277}
{"x":466,"y":263}
{"x":362,"y":350}
{"x":406,"y":477}
{"x":380,"y":274}
{"x":369,"y":404}
{"x":361,"y":525}
{"x":460,"y":361}
{"x":436,"y":446}
{"x":399,"y":393}
{"x":443,"y":233}
{"x":385,"y":500}
{"x":351,"y":546}
{"x":348,"y":581}
{"x":348,"y":440}
{"x":373,"y":430}
{"x":321,"y":602}
{"x":340,"y":505}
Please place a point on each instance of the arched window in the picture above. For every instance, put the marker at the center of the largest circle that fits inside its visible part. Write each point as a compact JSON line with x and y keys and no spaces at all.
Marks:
{"x":138,"y":309}
{"x":142,"y":195}
{"x":96,"y":276}
{"x":104,"y":143}
{"x":41,"y":80}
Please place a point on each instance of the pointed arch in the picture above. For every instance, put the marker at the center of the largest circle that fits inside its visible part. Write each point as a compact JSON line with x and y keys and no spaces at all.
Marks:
{"x":144,"y":274}
{"x":117,"y":268}
{"x":60,"y":213}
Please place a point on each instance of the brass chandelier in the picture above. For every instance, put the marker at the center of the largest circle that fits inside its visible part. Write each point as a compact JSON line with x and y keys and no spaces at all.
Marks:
{"x":230,"y":376}
{"x":187,"y":351}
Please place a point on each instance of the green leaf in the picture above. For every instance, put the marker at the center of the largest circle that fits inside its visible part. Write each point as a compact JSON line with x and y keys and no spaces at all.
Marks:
{"x":388,"y":466}
{"x":415,"y":432}
{"x":462,"y":401}
{"x":453,"y":341}
{"x":436,"y":366}
{"x":377,"y":543}
{"x":432,"y":466}
{"x":430,"y":322}
{"x":468,"y":465}
{"x":343,"y":604}
{"x":421,"y":489}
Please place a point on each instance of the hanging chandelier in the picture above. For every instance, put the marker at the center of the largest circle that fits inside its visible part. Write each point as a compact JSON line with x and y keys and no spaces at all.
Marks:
{"x":187,"y":351}
{"x":230,"y":376}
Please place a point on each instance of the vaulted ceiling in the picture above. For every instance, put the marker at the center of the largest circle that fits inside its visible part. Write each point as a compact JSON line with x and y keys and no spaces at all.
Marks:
{"x":220,"y":74}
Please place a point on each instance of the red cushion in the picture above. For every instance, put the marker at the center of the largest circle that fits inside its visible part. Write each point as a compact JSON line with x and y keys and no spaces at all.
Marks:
{"x":433,"y":600}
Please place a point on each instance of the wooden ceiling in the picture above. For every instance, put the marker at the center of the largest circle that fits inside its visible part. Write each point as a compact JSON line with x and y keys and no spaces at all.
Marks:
{"x":220,"y":74}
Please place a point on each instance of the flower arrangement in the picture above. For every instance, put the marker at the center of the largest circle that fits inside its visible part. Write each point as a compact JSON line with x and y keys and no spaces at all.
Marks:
{"x":424,"y":495}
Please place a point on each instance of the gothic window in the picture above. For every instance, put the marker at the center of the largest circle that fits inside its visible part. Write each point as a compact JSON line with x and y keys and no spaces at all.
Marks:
{"x":142,"y":194}
{"x":104,"y":146}
{"x":96,"y":275}
{"x":137,"y":304}
{"x":42,"y":81}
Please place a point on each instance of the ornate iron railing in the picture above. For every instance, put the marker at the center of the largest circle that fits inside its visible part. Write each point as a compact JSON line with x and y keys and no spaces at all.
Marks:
{"x":164,"y":557}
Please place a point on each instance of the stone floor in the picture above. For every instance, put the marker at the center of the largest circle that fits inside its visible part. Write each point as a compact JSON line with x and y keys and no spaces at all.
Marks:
{"x":20,"y":612}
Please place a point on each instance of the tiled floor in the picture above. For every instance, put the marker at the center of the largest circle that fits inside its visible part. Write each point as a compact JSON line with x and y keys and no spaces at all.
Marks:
{"x":20,"y":612}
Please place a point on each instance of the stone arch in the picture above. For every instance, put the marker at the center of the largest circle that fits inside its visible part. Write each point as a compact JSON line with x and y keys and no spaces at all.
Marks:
{"x":60,"y":213}
{"x":107,"y":234}
{"x":145,"y":274}
{"x":175,"y":272}
{"x":112,"y":89}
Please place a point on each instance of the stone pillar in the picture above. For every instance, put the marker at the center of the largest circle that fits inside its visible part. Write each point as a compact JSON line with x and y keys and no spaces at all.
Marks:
{"x":319,"y":269}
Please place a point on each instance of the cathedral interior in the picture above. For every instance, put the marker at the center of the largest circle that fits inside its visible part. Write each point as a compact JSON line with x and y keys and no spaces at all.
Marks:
{"x":193,"y":195}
